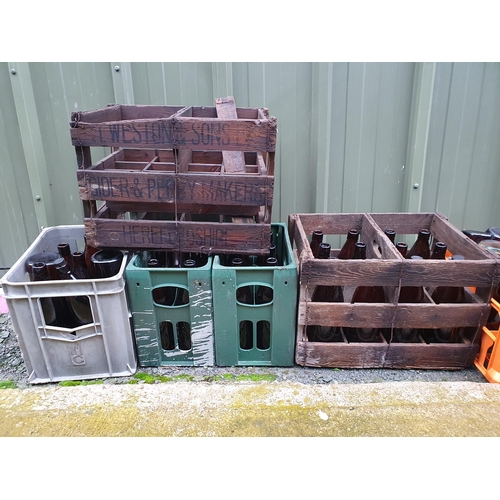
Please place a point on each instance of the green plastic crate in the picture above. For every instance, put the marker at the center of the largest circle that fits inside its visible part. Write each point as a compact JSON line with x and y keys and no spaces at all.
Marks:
{"x":256,"y":334}
{"x":180,"y":334}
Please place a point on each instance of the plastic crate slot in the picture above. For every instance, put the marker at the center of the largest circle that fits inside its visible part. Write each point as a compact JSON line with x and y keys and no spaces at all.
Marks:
{"x":170,"y":296}
{"x":170,"y":341}
{"x":167,"y":336}
{"x":254,"y":294}
{"x":184,"y":336}
{"x":246,"y":335}
{"x":263,"y":335}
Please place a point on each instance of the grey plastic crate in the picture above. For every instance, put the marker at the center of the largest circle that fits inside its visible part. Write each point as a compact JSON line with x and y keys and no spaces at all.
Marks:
{"x":103,"y":348}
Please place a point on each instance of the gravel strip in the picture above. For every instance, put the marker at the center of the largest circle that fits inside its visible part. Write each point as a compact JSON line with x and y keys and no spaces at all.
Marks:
{"x":12,"y":368}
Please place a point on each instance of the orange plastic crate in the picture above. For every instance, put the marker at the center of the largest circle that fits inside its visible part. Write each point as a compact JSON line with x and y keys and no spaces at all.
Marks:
{"x":488,"y":358}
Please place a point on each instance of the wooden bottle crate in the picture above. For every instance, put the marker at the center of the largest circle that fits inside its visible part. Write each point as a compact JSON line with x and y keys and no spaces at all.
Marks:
{"x":174,"y":162}
{"x":178,"y":127}
{"x":384,"y":266}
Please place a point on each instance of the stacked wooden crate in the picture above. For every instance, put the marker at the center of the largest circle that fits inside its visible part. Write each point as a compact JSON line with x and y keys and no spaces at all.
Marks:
{"x":178,"y":178}
{"x":385,"y":267}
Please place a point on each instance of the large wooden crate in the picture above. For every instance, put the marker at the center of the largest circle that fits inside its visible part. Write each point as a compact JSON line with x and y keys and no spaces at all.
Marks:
{"x":384,"y":266}
{"x":169,"y":163}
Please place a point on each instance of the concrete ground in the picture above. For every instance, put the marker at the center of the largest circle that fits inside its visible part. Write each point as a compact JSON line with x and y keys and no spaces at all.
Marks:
{"x":266,"y":408}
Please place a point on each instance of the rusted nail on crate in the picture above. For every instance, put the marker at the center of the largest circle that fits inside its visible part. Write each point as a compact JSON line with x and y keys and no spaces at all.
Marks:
{"x":156,"y":231}
{"x":385,"y":267}
{"x":179,"y":127}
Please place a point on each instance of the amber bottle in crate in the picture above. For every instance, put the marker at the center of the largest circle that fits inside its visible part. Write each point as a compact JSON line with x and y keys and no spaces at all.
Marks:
{"x":347,"y":250}
{"x":391,"y":234}
{"x":439,"y":251}
{"x":365,"y":293}
{"x":316,"y":239}
{"x":40,"y":273}
{"x":421,"y":245}
{"x":408,"y":295}
{"x":448,"y":295}
{"x":325,"y":293}
{"x":65,"y":252}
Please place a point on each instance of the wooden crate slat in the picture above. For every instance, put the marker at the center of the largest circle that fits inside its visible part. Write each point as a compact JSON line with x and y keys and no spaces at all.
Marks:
{"x":232,"y":161}
{"x":196,"y":236}
{"x":174,"y":130}
{"x":169,"y":187}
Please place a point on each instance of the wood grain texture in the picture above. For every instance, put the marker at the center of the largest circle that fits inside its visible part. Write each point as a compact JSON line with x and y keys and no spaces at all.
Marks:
{"x":232,"y":161}
{"x":203,"y":237}
{"x":169,"y":187}
{"x":173,"y":127}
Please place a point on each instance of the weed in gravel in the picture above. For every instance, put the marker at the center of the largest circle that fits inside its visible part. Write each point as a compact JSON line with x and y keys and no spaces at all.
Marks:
{"x":149,"y":379}
{"x":7,"y":384}
{"x":72,"y":383}
{"x":256,"y":378}
{"x":184,"y":376}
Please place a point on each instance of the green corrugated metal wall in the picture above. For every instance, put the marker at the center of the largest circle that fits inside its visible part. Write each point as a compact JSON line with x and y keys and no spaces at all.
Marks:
{"x":352,"y":137}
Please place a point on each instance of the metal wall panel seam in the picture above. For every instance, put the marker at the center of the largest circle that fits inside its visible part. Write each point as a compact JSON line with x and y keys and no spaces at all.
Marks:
{"x":123,"y":85}
{"x":222,"y":80}
{"x":419,"y":135}
{"x":31,"y":138}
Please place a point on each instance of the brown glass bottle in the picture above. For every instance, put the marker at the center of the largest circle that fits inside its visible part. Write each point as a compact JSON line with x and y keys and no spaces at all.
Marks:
{"x":55,"y":309}
{"x":325,"y":293}
{"x":261,"y":260}
{"x":402,"y":247}
{"x":391,"y":234}
{"x":366,"y":293}
{"x":80,"y":311}
{"x":39,"y":273}
{"x":65,"y":252}
{"x":421,"y":245}
{"x":50,"y":259}
{"x":347,"y":250}
{"x":80,"y":270}
{"x":449,"y":295}
{"x":106,"y":263}
{"x":439,"y":251}
{"x":316,"y":239}
{"x":409,"y":295}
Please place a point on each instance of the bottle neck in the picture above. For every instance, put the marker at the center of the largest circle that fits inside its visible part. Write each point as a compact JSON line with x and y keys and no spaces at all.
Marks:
{"x":359,"y":251}
{"x":402,"y":247}
{"x":324,"y":251}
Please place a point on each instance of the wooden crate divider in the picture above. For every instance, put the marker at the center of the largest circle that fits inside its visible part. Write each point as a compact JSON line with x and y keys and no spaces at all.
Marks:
{"x":384,"y":266}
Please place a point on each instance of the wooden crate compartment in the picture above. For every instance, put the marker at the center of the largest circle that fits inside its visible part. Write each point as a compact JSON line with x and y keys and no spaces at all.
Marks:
{"x":385,"y":267}
{"x":153,"y":180}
